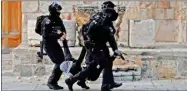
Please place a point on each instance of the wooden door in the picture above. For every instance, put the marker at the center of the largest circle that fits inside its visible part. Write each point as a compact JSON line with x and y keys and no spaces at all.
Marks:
{"x":11,"y":24}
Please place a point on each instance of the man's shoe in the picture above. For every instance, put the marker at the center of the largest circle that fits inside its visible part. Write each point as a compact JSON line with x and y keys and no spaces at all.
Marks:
{"x":69,"y":83}
{"x":105,"y":87}
{"x":115,"y":85}
{"x":54,"y":86}
{"x":83,"y":85}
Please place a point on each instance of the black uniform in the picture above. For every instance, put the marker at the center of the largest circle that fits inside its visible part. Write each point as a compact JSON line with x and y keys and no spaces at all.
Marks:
{"x":99,"y":31}
{"x":51,"y":25}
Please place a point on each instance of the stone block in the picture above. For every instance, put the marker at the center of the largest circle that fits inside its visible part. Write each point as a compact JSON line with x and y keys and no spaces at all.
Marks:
{"x":160,"y":13}
{"x":148,"y":4}
{"x":169,"y":27}
{"x":182,"y":68}
{"x":23,"y":70}
{"x":143,"y":14}
{"x":91,"y":2}
{"x":132,"y":13}
{"x":39,"y":70}
{"x":43,"y":5}
{"x":33,"y":38}
{"x":122,"y":28}
{"x":182,"y":4}
{"x":67,"y":8}
{"x":142,"y":33}
{"x":129,"y":3}
{"x":71,"y":31}
{"x":24,"y":56}
{"x":163,"y":4}
{"x":182,"y":31}
{"x":151,"y":13}
{"x":166,"y":68}
{"x":6,"y":64}
{"x":148,"y":69}
{"x":49,"y":69}
{"x":170,"y":13}
{"x":29,"y":6}
{"x":173,"y":4}
{"x":180,"y":13}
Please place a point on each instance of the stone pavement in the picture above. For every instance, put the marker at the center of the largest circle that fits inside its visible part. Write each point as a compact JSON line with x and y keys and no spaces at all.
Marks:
{"x":38,"y":83}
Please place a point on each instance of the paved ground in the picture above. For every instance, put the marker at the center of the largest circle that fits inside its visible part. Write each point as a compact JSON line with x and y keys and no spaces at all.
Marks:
{"x":35,"y":84}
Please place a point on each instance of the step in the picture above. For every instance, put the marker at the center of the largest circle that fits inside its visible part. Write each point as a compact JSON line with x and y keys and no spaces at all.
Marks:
{"x":6,"y":61}
{"x":25,"y":61}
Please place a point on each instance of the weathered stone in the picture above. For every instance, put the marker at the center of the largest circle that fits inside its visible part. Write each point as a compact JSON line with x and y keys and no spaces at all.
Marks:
{"x":122,"y":28}
{"x":143,"y":14}
{"x":181,"y":68}
{"x":67,"y":8}
{"x":151,"y":13}
{"x":164,"y":4}
{"x":49,"y":69}
{"x":180,"y":13}
{"x":173,"y":4}
{"x":166,"y":68}
{"x":46,"y":60}
{"x":71,"y":31}
{"x":169,"y":13}
{"x":148,"y":68}
{"x":182,"y":31}
{"x":169,"y":27}
{"x":43,"y":5}
{"x":132,"y":13}
{"x":39,"y":70}
{"x":148,"y":4}
{"x":160,"y":13}
{"x":182,"y":4}
{"x":23,"y":70}
{"x":90,"y":2}
{"x":6,"y":64}
{"x":29,"y":6}
{"x":142,"y":33}
{"x":33,"y":38}
{"x":73,"y":2}
{"x":129,"y":3}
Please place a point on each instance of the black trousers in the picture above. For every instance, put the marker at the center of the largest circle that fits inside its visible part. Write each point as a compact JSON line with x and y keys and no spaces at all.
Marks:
{"x":101,"y":58}
{"x":55,"y":53}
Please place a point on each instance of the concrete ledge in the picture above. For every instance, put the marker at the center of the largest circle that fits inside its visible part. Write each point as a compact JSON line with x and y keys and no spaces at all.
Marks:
{"x":154,"y":63}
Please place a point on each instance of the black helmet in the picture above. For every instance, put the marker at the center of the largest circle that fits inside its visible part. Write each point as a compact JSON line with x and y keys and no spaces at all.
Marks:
{"x":108,"y":4}
{"x":54,"y":9}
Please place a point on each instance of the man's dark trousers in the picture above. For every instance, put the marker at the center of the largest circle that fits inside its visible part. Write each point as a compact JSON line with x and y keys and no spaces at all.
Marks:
{"x":55,"y":53}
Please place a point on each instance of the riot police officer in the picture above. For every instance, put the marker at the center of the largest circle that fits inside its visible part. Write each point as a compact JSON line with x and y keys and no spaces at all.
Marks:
{"x":53,"y":29}
{"x":100,"y":30}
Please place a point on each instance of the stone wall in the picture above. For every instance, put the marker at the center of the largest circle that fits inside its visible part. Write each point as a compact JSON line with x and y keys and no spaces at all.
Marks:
{"x":170,"y":17}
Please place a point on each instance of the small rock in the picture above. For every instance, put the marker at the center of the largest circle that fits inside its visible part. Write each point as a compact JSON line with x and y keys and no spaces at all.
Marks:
{"x":30,"y":78}
{"x":39,"y":80}
{"x":20,"y":80}
{"x":30,"y":81}
{"x":18,"y":77}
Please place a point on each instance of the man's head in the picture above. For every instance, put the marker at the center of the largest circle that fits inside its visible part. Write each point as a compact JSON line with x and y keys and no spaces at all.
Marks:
{"x":108,"y":9}
{"x":54,"y":9}
{"x":108,"y":4}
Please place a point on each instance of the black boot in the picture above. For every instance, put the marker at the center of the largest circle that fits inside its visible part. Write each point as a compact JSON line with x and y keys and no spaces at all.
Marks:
{"x":83,"y":84}
{"x":54,"y":86}
{"x":105,"y":87}
{"x":115,"y":85}
{"x":69,"y":82}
